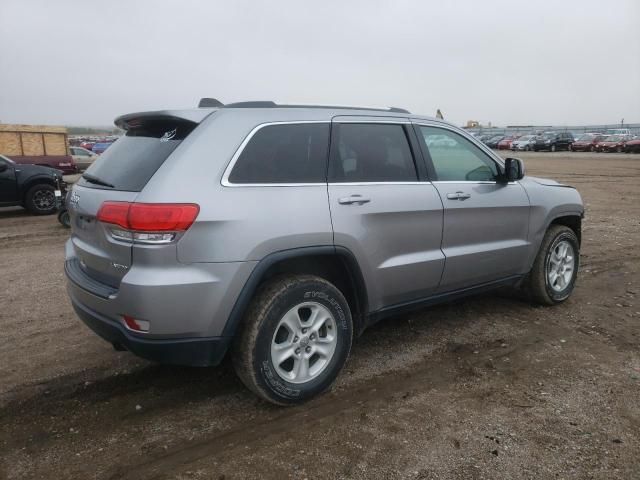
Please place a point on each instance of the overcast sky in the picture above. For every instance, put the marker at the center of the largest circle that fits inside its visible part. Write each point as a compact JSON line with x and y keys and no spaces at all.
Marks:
{"x":506,"y":61}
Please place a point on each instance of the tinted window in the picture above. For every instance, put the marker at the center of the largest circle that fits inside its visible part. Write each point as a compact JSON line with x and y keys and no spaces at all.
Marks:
{"x":455,"y":158}
{"x":288,"y":153}
{"x":131,"y":161}
{"x":372,"y":153}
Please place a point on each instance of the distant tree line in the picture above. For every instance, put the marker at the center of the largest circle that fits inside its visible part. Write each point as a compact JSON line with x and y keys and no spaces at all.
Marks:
{"x":94,"y":130}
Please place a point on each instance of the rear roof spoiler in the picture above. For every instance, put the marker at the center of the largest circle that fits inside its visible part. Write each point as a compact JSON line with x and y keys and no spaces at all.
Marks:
{"x":131,"y":120}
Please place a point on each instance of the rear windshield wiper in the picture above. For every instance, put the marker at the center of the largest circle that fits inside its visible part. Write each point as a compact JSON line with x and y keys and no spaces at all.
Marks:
{"x":91,"y":179}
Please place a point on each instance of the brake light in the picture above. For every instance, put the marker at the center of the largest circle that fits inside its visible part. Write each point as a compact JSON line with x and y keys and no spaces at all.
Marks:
{"x":152,"y":223}
{"x":149,"y":217}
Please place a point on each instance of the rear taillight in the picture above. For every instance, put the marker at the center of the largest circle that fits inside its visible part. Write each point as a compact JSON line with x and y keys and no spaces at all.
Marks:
{"x":148,"y":222}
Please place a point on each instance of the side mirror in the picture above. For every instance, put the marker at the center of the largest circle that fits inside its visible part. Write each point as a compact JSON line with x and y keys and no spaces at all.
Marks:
{"x":513,"y":169}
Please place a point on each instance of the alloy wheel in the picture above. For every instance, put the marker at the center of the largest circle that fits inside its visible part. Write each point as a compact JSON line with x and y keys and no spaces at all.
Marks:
{"x":304,"y":342}
{"x":44,"y":200}
{"x":560,"y":266}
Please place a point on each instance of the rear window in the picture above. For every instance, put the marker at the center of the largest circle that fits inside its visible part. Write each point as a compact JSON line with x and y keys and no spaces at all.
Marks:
{"x":130,"y":162}
{"x":285,"y":153}
{"x":372,"y":152}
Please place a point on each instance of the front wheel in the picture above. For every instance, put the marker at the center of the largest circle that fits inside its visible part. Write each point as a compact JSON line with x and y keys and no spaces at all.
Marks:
{"x":296,"y":338}
{"x":553,"y":148}
{"x":555,"y":268}
{"x":41,"y":199}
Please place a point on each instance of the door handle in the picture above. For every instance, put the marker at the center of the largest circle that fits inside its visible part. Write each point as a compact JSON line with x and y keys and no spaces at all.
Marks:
{"x":351,"y":199}
{"x":458,"y":196}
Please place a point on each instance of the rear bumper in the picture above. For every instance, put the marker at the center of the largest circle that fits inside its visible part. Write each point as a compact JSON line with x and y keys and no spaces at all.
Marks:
{"x":178,"y":300}
{"x":197,"y":352}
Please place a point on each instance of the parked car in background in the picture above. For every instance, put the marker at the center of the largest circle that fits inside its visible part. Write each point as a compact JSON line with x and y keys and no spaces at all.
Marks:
{"x":87,"y":145}
{"x":493,"y":141}
{"x":553,"y":141}
{"x":505,"y":143}
{"x":586,"y":142}
{"x":441,"y":141}
{"x":612,"y":143}
{"x":38,"y":189}
{"x":526,"y":142}
{"x":83,"y":157}
{"x":154,"y":265}
{"x":632,"y":146}
{"x":99,"y":148}
{"x":620,"y":131}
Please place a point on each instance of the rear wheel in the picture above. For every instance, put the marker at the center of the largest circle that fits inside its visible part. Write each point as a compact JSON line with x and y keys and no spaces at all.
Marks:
{"x":619,"y":149}
{"x":553,"y":148}
{"x":296,"y":338}
{"x":592,"y":148}
{"x":41,"y":199}
{"x":555,"y":268}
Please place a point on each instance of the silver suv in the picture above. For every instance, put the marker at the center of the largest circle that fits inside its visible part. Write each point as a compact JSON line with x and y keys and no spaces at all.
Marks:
{"x":278,"y":233}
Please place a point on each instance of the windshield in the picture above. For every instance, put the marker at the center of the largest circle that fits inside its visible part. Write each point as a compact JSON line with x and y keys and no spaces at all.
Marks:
{"x":525,"y":138}
{"x":6,"y":159}
{"x":586,"y":138}
{"x":613,"y":138}
{"x":549,"y":136}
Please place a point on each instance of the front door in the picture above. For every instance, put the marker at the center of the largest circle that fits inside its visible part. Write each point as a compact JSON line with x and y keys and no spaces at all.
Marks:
{"x":484,"y":237}
{"x":383,"y":211}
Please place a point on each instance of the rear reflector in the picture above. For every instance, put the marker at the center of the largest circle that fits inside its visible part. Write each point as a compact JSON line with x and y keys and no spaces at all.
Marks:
{"x":135,"y":324}
{"x":149,"y":217}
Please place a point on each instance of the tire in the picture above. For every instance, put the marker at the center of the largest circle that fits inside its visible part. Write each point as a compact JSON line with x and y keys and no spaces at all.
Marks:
{"x":619,"y":150}
{"x":553,"y":148}
{"x":592,"y":149}
{"x":538,"y":282}
{"x":296,"y":297}
{"x":63,"y":218}
{"x":40,"y":199}
{"x":527,"y":148}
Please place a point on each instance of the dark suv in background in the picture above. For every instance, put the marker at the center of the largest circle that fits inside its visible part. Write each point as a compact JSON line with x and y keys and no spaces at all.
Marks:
{"x":553,"y":141}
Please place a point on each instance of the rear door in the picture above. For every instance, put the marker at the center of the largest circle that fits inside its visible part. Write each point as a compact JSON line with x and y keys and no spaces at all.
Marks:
{"x":119,"y":175}
{"x":383,"y":208}
{"x":486,"y":222}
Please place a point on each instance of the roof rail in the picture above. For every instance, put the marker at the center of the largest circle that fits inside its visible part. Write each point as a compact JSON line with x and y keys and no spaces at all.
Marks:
{"x":211,"y":102}
{"x":253,"y":104}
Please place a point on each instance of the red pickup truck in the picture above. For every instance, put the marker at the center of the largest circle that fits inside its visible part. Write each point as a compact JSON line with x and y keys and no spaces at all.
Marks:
{"x":37,"y":145}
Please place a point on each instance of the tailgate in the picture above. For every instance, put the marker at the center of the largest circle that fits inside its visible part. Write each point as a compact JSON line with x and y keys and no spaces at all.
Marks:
{"x":100,"y":255}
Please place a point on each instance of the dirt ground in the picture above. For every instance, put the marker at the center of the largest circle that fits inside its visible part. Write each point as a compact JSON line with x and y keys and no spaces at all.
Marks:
{"x":486,"y":388}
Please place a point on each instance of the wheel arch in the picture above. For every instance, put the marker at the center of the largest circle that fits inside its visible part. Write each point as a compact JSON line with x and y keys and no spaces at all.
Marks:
{"x":335,"y":264}
{"x":574,"y":222}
